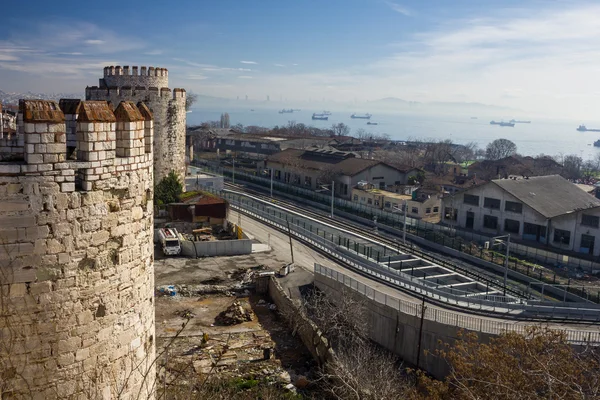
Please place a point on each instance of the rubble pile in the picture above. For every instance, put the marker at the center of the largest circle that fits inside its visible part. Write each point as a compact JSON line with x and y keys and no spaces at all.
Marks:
{"x":233,"y":315}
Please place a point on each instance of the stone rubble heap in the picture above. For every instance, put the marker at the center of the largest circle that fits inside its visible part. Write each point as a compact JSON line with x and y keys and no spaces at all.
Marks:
{"x":233,"y":315}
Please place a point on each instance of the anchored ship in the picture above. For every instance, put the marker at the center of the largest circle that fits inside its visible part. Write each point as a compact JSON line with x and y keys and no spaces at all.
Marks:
{"x":364,"y":116}
{"x":511,"y":124}
{"x":582,"y":128}
{"x":320,"y":117}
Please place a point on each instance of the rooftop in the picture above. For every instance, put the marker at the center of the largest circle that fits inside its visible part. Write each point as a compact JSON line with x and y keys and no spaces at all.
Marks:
{"x":550,"y":195}
{"x":337,"y":161}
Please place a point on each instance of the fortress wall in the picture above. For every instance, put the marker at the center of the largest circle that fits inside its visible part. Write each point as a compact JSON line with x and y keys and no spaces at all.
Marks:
{"x":76,"y":257}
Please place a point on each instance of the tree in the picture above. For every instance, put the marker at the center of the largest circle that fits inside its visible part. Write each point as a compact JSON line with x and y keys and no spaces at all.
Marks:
{"x":225,"y":121}
{"x":340,"y":129}
{"x":168,"y":189}
{"x":540,"y":364}
{"x":190,"y":99}
{"x":500,"y":148}
{"x":572,"y":165}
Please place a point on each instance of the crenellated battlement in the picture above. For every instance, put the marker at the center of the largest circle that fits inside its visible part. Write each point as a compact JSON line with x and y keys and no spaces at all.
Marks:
{"x":109,"y":144}
{"x":134,"y":71}
{"x":128,"y":92}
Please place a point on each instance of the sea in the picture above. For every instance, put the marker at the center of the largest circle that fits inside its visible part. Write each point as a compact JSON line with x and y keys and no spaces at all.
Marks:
{"x":541,"y":136}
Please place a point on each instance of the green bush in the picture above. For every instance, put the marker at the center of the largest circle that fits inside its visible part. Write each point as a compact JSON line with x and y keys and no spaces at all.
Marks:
{"x":168,"y":189}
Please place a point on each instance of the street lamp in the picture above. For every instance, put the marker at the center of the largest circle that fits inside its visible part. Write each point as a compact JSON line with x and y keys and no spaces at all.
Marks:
{"x":496,"y":238}
{"x":324,"y":187}
{"x":271,"y":171}
{"x":405,"y":207}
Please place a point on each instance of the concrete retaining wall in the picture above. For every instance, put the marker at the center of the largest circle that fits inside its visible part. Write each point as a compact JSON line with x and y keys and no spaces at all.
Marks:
{"x":399,"y":332}
{"x":310,"y":335}
{"x":216,"y":248}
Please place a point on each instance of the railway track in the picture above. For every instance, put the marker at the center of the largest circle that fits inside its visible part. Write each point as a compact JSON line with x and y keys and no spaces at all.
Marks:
{"x":395,"y":244}
{"x":436,"y":302}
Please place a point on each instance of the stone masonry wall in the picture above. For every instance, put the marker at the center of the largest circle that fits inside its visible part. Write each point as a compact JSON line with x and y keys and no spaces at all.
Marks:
{"x":168,"y":108}
{"x":76,"y":256}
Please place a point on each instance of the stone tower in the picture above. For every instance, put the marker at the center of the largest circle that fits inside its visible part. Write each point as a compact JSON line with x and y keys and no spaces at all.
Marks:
{"x":150,"y":86}
{"x":76,"y":252}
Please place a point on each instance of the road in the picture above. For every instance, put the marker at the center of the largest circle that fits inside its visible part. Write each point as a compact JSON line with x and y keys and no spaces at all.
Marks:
{"x":305,"y":258}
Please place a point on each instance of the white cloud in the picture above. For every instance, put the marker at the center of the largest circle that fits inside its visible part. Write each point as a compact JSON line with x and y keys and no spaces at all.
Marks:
{"x":94,"y":42}
{"x":244,"y":77}
{"x":248,"y":62}
{"x":399,"y":8}
{"x":279,"y":65}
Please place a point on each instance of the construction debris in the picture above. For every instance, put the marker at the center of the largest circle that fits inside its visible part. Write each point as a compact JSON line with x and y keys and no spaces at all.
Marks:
{"x":233,"y":315}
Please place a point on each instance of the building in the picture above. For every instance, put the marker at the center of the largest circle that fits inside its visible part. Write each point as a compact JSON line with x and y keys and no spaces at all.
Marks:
{"x":546,"y":209}
{"x":514,"y":165}
{"x":198,"y":180}
{"x":314,"y":168}
{"x":421,"y":203}
{"x":151,"y":87}
{"x":76,"y":254}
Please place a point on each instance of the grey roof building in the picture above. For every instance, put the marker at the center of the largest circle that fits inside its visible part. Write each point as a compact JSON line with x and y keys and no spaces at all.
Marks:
{"x":546,"y":209}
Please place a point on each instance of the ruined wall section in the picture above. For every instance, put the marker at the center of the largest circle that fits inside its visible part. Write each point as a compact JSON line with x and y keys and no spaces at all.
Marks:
{"x":76,"y":256}
{"x":150,"y":86}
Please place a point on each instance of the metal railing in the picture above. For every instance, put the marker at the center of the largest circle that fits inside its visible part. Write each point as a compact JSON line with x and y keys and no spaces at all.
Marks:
{"x":473,"y":323}
{"x":465,"y":241}
{"x":325,"y":240}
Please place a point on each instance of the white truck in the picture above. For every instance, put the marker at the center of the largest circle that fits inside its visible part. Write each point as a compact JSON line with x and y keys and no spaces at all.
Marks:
{"x":169,"y":241}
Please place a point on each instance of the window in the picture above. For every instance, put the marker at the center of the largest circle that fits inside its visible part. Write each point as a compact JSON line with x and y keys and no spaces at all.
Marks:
{"x":490,"y":222}
{"x":388,"y":204}
{"x":590,"y":220}
{"x":561,"y":236}
{"x":513,"y":207}
{"x":587,"y":244}
{"x":436,"y":209}
{"x":450,"y":214}
{"x":414,"y":210}
{"x":428,"y":211}
{"x":362,"y":199}
{"x":488,"y":202}
{"x":376,"y":202}
{"x":345,"y":188}
{"x":378,"y":177}
{"x":355,"y":198}
{"x":471,"y":199}
{"x":307,"y":181}
{"x":511,"y":226}
{"x":381,"y":185}
{"x":370,"y":201}
{"x":278,"y":175}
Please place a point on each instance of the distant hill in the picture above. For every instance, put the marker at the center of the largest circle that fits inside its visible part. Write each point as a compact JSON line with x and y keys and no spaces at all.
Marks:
{"x":13,"y":98}
{"x":439,"y":106}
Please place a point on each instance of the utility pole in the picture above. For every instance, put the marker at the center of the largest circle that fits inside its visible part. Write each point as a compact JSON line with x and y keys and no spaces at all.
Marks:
{"x":271,"y":182}
{"x":290,"y":236}
{"x":423,"y":308}
{"x":404,"y":223}
{"x":332,"y":193}
{"x":233,"y":174}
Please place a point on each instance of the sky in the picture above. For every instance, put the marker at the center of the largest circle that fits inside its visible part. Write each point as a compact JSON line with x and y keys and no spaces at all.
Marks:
{"x":542,"y":57}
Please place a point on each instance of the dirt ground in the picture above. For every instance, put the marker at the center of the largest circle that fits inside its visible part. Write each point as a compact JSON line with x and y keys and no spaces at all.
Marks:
{"x":262,"y":348}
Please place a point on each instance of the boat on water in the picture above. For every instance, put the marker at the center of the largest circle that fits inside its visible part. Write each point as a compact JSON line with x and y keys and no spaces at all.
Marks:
{"x":252,"y":109}
{"x":597,"y":143}
{"x":582,"y":128}
{"x":363,"y":116}
{"x":320,"y":117}
{"x":514,"y":121}
{"x":284,"y":111}
{"x":372,"y":123}
{"x":511,"y":124}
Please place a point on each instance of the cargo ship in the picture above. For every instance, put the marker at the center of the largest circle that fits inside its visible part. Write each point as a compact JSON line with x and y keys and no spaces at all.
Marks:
{"x":372,"y":123}
{"x":284,"y":111}
{"x":320,"y":117}
{"x":364,"y":116}
{"x":511,"y":124}
{"x":582,"y":128}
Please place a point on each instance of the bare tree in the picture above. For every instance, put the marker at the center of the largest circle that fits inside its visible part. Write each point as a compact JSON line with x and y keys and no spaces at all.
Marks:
{"x":340,"y":129}
{"x":572,"y":166}
{"x":190,"y":99}
{"x":500,"y":148}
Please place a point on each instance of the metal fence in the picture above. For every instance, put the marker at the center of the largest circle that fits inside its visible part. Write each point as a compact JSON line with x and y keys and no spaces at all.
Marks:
{"x":473,"y":323}
{"x":468,"y":242}
{"x":349,"y":254}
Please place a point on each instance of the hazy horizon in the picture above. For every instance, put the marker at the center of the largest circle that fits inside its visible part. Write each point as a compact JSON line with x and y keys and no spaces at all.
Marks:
{"x":539,"y":57}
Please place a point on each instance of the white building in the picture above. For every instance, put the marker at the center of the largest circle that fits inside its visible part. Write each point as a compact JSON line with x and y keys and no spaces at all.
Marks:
{"x":546,"y":209}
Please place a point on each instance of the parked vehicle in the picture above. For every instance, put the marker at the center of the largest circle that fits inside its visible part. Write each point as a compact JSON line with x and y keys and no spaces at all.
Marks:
{"x":169,"y":241}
